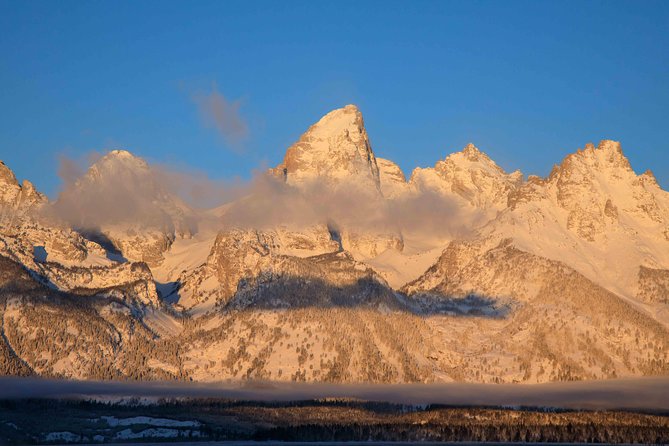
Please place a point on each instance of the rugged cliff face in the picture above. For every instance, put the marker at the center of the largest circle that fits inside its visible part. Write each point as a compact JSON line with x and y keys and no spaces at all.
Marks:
{"x":471,"y":176}
{"x":336,"y":149}
{"x":391,"y":178}
{"x":335,"y":156}
{"x":17,"y":199}
{"x":593,"y":213}
{"x":554,"y":278}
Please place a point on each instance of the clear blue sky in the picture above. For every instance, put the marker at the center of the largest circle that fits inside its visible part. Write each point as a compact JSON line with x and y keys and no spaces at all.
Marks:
{"x":527,"y":82}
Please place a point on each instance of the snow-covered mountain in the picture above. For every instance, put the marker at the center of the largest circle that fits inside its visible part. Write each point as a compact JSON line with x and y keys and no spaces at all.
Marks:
{"x":335,"y":150}
{"x":121,"y":199}
{"x":340,"y":269}
{"x":23,"y":230}
{"x":470,"y":175}
{"x":595,"y":214}
{"x":334,"y":159}
{"x":16,"y":199}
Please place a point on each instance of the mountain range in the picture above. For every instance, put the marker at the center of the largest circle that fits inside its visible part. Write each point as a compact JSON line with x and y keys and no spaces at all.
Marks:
{"x":333,"y":266}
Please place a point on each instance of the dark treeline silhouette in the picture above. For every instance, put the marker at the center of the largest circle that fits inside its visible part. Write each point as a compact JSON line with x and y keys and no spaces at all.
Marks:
{"x":29,"y":421}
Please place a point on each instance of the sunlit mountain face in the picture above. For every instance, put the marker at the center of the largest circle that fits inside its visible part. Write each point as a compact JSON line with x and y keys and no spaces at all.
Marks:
{"x":321,"y":223}
{"x":335,"y":266}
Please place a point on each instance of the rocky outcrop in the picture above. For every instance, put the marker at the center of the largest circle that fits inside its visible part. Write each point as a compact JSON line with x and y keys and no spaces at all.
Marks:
{"x":21,"y":219}
{"x":392,"y":180}
{"x":558,"y":322}
{"x":593,"y":213}
{"x":243,"y":254}
{"x":334,"y":150}
{"x":335,"y":153}
{"x":470,"y":175}
{"x":598,"y":182}
{"x":16,"y":199}
{"x":368,"y":244}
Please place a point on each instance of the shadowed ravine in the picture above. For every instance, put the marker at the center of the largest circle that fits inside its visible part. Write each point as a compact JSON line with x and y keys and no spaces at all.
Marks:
{"x":296,"y":292}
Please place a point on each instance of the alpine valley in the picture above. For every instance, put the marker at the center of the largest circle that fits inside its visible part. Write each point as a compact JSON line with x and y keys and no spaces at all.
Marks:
{"x":334,"y":267}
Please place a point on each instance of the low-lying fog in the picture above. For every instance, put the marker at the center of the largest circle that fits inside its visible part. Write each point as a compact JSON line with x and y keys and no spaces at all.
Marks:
{"x":638,"y":393}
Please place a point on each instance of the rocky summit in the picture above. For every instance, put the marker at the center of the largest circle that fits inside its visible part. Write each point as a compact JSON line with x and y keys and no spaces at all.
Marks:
{"x":339,"y":269}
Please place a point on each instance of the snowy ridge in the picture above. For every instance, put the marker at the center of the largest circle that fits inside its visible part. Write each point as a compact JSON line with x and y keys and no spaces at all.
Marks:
{"x":470,"y":175}
{"x":594,"y":214}
{"x":557,"y":278}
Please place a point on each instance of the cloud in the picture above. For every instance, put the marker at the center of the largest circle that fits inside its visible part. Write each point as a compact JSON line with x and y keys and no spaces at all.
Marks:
{"x":121,"y":189}
{"x":124,"y":190}
{"x":269,"y":202}
{"x":223,"y":115}
{"x":195,"y":188}
{"x":113,"y":193}
{"x":68,"y":170}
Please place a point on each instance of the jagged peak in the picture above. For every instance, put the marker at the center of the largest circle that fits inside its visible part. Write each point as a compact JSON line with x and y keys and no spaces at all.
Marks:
{"x":118,"y":158}
{"x":121,"y":153}
{"x":334,"y":148}
{"x":29,"y":188}
{"x":607,"y":150}
{"x":470,"y":154}
{"x":607,"y":154}
{"x":7,"y":175}
{"x":347,"y":119}
{"x":555,"y":171}
{"x":119,"y":167}
{"x":648,"y":177}
{"x":390,"y":167}
{"x":391,"y":177}
{"x":517,"y":175}
{"x":610,"y":146}
{"x":345,"y":110}
{"x":613,"y":153}
{"x":22,"y":195}
{"x":349,"y":108}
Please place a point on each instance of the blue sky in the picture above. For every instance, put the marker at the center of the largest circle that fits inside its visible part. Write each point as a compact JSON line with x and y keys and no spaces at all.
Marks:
{"x":527,"y":82}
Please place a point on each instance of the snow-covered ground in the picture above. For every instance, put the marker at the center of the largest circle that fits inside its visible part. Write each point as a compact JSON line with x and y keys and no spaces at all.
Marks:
{"x":157,"y":432}
{"x":160,"y":422}
{"x":64,"y":436}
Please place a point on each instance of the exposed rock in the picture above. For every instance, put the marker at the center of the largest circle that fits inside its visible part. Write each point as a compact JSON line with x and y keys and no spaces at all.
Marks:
{"x":561,"y":278}
{"x":593,"y":213}
{"x":610,"y":210}
{"x":240,"y":254}
{"x":16,"y":200}
{"x":336,"y":152}
{"x":470,"y":175}
{"x":391,"y":177}
{"x":336,"y":149}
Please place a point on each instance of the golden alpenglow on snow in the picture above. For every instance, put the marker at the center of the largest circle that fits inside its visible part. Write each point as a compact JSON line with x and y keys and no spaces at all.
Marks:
{"x":329,"y":268}
{"x":334,"y":222}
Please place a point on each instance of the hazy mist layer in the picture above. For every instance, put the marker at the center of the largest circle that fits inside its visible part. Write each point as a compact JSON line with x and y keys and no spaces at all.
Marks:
{"x":638,"y":393}
{"x":140,"y":197}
